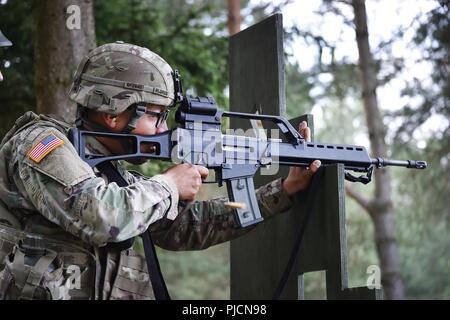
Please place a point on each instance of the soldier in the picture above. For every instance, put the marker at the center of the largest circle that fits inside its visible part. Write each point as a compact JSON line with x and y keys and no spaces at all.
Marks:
{"x":4,"y":42}
{"x":69,"y":215}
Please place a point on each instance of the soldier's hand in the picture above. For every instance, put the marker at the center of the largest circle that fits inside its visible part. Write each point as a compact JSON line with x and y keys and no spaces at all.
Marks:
{"x":188,"y":179}
{"x":299,"y":178}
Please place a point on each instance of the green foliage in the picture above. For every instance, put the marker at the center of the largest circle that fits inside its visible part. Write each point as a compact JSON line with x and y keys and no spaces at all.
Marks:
{"x":298,"y":87}
{"x":423,"y":222}
{"x":197,"y":274}
{"x":423,"y":219}
{"x":16,"y":63}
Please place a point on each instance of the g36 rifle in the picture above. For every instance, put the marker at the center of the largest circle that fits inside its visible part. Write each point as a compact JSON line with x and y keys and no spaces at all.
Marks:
{"x":198,"y":139}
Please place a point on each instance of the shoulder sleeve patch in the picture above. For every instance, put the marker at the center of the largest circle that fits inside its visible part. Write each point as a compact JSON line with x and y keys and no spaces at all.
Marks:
{"x":44,"y":147}
{"x":61,"y":164}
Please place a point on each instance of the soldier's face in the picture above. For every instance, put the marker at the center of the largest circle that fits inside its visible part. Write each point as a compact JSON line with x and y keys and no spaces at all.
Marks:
{"x":146,"y":125}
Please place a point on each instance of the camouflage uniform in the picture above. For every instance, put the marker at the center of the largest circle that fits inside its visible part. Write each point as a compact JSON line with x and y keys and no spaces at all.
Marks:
{"x":58,"y":216}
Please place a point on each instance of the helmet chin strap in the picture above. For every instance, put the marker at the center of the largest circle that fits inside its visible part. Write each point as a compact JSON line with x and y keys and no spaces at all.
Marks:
{"x":139,"y":111}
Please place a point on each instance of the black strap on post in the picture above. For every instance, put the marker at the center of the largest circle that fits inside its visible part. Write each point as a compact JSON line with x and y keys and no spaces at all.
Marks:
{"x":295,"y":250}
{"x":156,"y":277}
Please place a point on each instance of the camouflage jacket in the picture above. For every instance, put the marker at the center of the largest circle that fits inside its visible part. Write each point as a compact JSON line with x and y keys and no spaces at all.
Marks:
{"x":63,"y":199}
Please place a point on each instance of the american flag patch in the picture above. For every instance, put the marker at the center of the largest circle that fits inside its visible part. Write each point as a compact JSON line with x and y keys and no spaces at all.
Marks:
{"x":44,"y":147}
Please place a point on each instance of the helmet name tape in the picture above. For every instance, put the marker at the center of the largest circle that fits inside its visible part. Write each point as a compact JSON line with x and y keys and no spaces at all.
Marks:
{"x":160,"y":92}
{"x":135,"y":86}
{"x":127,"y":85}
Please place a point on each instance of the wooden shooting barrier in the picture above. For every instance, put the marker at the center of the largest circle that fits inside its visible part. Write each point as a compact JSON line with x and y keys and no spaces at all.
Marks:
{"x":259,"y":258}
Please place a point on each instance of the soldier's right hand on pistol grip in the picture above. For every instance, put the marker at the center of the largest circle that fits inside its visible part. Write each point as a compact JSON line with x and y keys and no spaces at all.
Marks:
{"x":188,"y":179}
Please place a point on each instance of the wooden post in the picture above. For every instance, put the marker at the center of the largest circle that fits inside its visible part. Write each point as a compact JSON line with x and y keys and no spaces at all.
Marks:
{"x":259,"y":258}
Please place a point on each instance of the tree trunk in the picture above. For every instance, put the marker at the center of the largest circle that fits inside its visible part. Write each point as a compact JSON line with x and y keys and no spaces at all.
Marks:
{"x":64,"y":32}
{"x":234,"y":16}
{"x":382,"y":212}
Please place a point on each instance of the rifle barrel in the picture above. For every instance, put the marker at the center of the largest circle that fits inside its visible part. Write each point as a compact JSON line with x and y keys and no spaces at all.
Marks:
{"x":415,"y":164}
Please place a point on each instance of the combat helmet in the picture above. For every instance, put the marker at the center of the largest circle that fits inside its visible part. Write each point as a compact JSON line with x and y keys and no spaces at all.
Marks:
{"x":115,"y":76}
{"x":4,"y":42}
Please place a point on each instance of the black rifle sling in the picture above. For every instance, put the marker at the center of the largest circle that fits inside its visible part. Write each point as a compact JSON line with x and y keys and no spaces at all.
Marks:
{"x":156,"y":277}
{"x":295,"y":250}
